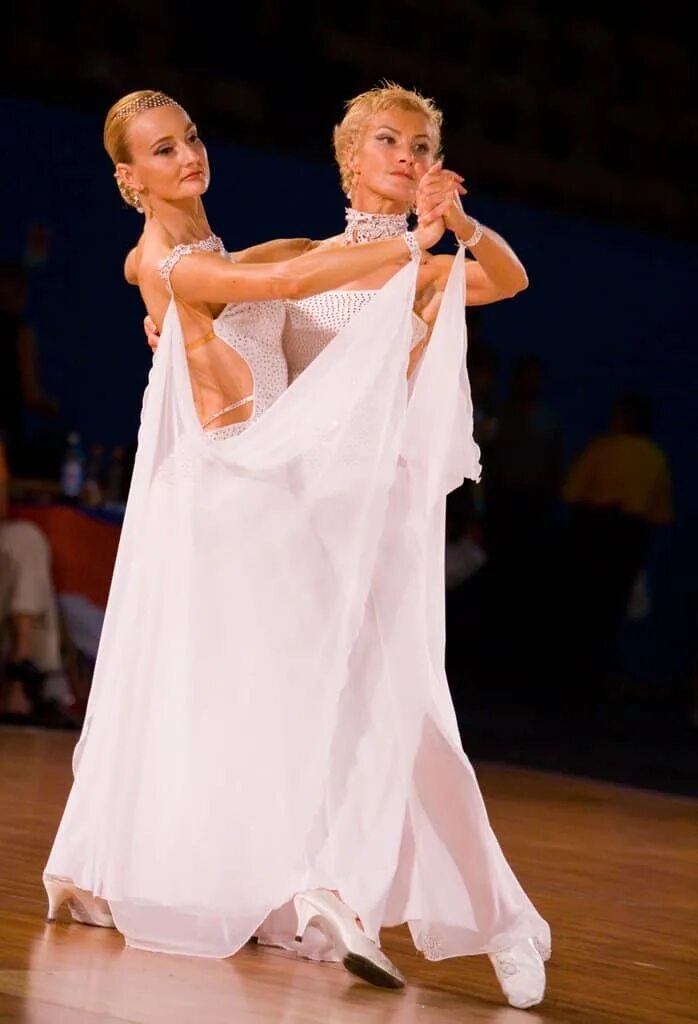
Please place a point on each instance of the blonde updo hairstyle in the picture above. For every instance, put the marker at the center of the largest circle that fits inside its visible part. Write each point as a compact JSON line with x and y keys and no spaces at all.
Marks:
{"x":386,"y":96}
{"x":116,"y":126}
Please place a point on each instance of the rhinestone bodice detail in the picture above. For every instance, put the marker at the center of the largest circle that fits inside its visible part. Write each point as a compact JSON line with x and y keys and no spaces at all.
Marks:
{"x":253,"y":329}
{"x":312,"y":323}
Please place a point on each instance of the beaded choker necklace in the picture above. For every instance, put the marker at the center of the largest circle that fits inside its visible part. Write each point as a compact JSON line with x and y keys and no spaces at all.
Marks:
{"x":368,"y":227}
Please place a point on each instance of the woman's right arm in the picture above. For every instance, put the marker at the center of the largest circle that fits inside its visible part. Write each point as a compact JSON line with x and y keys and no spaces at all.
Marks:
{"x":274,"y":251}
{"x":204,"y":277}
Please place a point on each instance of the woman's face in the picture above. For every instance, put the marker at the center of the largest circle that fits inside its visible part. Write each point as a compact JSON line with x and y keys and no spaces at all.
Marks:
{"x":396,"y":148}
{"x":168,"y":159}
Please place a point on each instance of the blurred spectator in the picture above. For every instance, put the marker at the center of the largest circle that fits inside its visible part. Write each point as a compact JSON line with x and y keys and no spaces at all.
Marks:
{"x":30,"y":635}
{"x":618,"y":490}
{"x":483,"y":367}
{"x":465,"y":553}
{"x":523,"y":468}
{"x":465,"y":505}
{"x":20,"y":386}
{"x":465,"y":558}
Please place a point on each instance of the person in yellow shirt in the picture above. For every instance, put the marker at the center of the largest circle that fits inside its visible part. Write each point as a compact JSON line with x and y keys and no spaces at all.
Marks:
{"x":618,"y":490}
{"x":624,"y":471}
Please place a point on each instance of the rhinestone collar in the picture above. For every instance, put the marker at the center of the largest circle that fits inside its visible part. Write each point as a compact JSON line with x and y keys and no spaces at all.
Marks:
{"x":367,"y":227}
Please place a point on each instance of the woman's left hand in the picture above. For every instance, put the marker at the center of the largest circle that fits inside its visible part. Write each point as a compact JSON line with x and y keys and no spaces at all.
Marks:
{"x":151,"y":333}
{"x":435,"y":187}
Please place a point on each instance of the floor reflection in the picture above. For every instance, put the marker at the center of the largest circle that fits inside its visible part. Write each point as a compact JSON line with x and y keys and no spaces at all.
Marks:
{"x":90,"y":971}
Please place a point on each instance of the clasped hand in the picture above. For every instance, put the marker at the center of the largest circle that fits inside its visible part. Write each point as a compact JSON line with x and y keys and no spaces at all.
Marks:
{"x":435,"y":187}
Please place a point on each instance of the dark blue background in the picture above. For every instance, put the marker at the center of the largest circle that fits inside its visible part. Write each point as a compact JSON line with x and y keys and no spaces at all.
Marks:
{"x":607,"y":309}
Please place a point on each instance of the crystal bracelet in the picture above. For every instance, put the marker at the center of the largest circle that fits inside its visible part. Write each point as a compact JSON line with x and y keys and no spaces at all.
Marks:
{"x":413,"y":245}
{"x":474,"y":238}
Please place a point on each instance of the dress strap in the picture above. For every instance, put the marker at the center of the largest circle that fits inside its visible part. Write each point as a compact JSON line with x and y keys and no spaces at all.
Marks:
{"x":191,"y":346}
{"x":211,"y":244}
{"x":228,"y":408}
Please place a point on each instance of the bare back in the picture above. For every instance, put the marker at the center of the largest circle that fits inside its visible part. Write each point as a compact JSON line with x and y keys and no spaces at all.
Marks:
{"x":223,"y":382}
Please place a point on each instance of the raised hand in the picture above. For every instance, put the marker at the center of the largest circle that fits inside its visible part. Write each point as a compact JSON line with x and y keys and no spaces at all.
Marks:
{"x":432,"y":224}
{"x":440,"y":188}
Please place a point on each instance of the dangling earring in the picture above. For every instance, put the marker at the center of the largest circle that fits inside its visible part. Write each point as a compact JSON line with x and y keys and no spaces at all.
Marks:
{"x":129,"y":195}
{"x":145,"y":210}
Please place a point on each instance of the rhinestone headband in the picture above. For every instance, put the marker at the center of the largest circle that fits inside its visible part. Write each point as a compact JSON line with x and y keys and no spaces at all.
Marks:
{"x":157,"y":99}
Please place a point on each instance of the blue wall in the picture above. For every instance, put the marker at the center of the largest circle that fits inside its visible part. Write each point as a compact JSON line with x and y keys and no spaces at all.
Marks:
{"x":609,"y":310}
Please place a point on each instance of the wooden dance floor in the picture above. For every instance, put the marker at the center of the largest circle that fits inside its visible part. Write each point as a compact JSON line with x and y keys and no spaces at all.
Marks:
{"x":614,"y":870}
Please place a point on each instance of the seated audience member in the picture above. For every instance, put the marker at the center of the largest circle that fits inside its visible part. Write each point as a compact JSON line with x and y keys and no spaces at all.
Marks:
{"x":21,"y":391}
{"x":30,"y":638}
{"x":618,"y":491}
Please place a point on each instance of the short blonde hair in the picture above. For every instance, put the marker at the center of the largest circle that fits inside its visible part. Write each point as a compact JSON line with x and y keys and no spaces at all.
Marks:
{"x":385,"y":96}
{"x":116,"y":124}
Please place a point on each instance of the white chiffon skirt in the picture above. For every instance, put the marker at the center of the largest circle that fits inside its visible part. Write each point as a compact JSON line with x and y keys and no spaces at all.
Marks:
{"x":269,"y":712}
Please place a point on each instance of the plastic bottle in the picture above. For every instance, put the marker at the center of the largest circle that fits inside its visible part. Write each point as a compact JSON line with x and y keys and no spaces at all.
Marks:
{"x":72,"y":470}
{"x":116,"y":477}
{"x":94,"y":477}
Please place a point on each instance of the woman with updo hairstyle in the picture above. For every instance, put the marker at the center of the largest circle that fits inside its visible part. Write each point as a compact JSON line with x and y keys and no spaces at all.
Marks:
{"x":294,"y":770}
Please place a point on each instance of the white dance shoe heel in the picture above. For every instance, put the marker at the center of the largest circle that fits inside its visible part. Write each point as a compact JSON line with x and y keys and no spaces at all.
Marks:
{"x":521,"y":973}
{"x":360,"y":955}
{"x":83,"y":906}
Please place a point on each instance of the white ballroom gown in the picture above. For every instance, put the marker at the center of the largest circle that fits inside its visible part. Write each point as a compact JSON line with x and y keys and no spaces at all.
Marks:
{"x":269,"y":713}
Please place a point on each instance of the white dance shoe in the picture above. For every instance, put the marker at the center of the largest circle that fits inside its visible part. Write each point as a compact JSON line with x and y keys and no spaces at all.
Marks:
{"x":521,"y":973}
{"x":83,"y":906}
{"x":360,"y":955}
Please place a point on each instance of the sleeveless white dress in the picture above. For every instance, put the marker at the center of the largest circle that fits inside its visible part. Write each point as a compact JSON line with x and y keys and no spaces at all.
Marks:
{"x":248,"y":736}
{"x":313,"y":322}
{"x":397,"y":687}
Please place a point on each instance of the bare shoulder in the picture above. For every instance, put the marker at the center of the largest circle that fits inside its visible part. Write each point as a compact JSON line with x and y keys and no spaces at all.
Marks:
{"x":153,"y":249}
{"x":132,"y":262}
{"x":152,"y":246}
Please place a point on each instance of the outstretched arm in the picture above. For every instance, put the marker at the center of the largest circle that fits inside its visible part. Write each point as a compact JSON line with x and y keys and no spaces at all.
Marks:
{"x":278,"y":249}
{"x":275,"y":251}
{"x":203,"y":277}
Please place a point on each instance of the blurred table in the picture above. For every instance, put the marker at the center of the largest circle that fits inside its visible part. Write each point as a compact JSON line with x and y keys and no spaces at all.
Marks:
{"x":83,"y":544}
